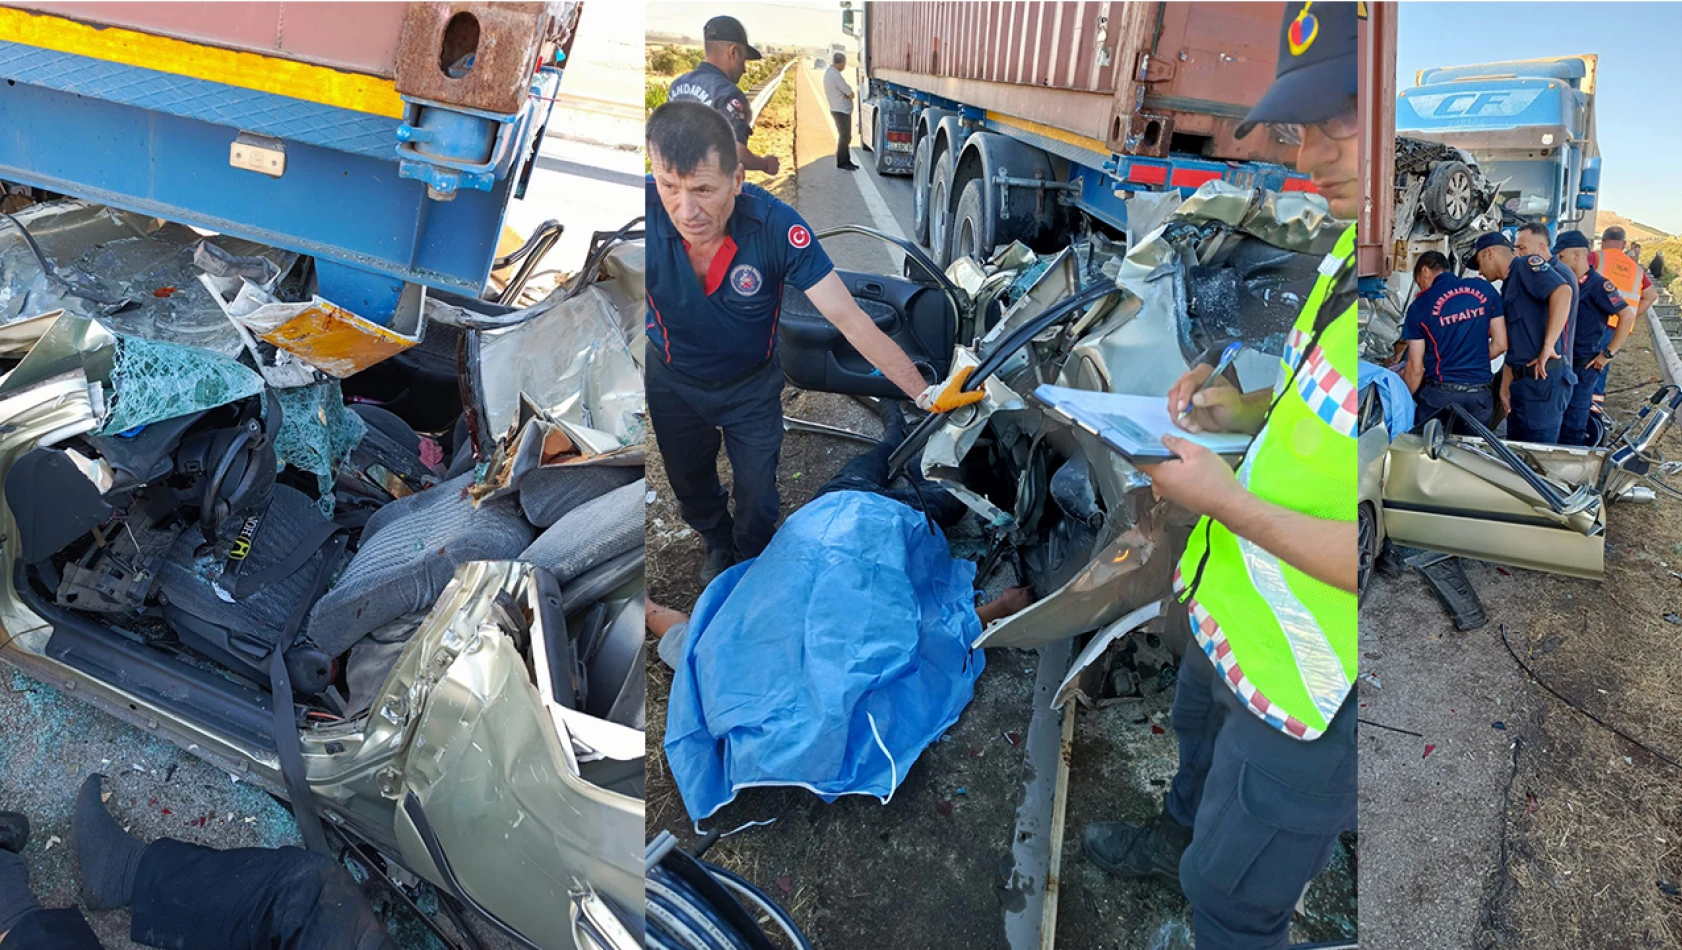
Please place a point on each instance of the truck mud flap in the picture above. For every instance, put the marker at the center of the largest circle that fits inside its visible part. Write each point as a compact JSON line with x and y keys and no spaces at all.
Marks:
{"x":1446,"y":575}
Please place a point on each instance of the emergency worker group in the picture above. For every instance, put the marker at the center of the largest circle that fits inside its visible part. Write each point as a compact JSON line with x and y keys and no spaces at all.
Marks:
{"x":1561,"y":316}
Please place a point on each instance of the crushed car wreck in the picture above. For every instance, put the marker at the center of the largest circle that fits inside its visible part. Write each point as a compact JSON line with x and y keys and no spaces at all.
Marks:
{"x":1228,"y":263}
{"x":424,"y":535}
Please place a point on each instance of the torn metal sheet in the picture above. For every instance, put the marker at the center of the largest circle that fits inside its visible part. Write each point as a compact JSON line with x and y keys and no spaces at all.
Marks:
{"x":968,"y":274}
{"x":72,"y":343}
{"x":482,"y":751}
{"x":541,"y":441}
{"x":1293,"y":220}
{"x":1100,"y":642}
{"x":572,"y":361}
{"x":329,"y":337}
{"x":1131,"y":571}
{"x":1147,"y":210}
{"x":623,"y":273}
{"x":1059,"y":280}
{"x":1027,"y":883}
{"x":19,"y":337}
{"x":1013,"y":256}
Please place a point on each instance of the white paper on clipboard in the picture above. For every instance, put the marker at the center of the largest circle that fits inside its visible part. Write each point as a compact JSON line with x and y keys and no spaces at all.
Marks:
{"x":1132,"y":425}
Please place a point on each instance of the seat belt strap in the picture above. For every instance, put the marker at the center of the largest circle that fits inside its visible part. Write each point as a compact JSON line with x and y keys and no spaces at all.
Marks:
{"x":244,"y":585}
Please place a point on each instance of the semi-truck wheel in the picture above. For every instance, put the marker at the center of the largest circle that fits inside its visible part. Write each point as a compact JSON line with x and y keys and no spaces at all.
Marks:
{"x":878,"y":147}
{"x":971,"y":235}
{"x":1447,"y":197}
{"x":940,"y":217}
{"x":920,"y":189}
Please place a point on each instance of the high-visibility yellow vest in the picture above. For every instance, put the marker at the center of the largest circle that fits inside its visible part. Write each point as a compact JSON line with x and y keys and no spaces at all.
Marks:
{"x":1283,"y":641}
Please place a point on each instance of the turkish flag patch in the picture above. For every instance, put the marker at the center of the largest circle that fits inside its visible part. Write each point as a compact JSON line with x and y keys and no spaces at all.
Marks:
{"x":799,"y":236}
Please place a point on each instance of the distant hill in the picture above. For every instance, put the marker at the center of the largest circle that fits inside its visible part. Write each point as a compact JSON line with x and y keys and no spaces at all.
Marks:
{"x":1637,"y":231}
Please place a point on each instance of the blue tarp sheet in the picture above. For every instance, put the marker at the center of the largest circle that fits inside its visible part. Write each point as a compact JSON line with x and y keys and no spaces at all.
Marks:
{"x":829,"y":662}
{"x":1393,"y":393}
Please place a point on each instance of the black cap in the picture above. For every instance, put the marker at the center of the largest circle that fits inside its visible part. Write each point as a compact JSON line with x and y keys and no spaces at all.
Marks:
{"x":1571,"y":239}
{"x":1315,"y":79}
{"x":728,"y":29}
{"x":1492,"y":239}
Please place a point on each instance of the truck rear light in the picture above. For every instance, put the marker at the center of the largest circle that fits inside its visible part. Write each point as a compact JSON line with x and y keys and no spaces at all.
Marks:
{"x":899,"y":136}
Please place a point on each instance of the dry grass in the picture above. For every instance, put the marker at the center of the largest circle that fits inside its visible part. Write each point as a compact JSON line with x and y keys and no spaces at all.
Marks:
{"x":773,"y":134}
{"x":1594,"y":823}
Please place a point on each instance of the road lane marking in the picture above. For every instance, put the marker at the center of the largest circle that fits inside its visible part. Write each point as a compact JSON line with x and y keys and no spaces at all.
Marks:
{"x":871,"y":192}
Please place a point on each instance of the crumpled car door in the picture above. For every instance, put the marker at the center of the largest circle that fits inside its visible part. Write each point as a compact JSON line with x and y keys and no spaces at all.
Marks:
{"x":491,"y":803}
{"x":1466,"y":497}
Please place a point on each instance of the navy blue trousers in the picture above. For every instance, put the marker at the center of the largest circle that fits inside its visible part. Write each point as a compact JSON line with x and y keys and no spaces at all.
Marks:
{"x":189,"y":897}
{"x":1574,"y":428}
{"x":1431,"y":401}
{"x":688,"y":415}
{"x":1265,"y":809}
{"x":1539,"y":406}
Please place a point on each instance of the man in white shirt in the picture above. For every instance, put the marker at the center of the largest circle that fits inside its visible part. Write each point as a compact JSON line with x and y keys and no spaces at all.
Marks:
{"x":840,"y":97}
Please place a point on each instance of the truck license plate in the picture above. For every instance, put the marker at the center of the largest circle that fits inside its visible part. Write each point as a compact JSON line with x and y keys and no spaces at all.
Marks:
{"x":899,"y":146}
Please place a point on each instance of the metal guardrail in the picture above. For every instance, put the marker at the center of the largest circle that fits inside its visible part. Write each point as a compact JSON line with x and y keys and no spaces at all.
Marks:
{"x":1666,"y":326}
{"x":769,"y":89}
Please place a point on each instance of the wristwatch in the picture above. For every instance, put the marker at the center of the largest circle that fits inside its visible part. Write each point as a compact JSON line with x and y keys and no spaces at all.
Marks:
{"x":1607,"y":353}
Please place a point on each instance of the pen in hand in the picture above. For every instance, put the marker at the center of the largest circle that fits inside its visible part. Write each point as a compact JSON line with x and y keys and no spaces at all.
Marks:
{"x":1227,"y":356}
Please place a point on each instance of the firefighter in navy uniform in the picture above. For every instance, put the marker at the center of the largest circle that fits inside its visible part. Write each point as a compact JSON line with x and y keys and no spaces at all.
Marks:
{"x":719,"y":255}
{"x":1264,"y":709}
{"x":1453,"y":330}
{"x":1537,"y":381}
{"x":1599,"y":306}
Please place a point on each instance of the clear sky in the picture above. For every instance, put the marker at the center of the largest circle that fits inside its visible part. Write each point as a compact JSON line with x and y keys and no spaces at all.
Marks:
{"x":815,"y":23}
{"x":1640,"y":48}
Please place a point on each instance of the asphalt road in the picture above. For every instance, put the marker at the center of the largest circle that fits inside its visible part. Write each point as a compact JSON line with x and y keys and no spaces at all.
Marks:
{"x":830,"y":197}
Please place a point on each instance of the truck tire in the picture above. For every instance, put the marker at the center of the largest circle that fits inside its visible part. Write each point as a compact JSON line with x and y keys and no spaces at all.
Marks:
{"x":972,"y":232}
{"x":878,"y":148}
{"x":920,"y":174}
{"x":1447,"y":197}
{"x":940,"y":218}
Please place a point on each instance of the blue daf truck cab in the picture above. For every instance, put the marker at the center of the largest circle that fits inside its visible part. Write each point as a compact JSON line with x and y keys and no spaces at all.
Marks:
{"x":1529,"y":123}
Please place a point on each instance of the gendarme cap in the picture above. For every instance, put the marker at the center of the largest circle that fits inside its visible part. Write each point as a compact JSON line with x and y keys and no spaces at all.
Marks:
{"x":1571,"y":239}
{"x":728,"y":29}
{"x":1492,"y":239}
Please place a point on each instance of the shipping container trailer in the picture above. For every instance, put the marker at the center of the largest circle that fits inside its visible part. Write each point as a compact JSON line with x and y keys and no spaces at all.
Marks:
{"x":1046,"y":115}
{"x":1377,"y":104}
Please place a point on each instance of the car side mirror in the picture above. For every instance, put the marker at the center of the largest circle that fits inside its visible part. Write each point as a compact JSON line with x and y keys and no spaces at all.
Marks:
{"x":1434,"y":435}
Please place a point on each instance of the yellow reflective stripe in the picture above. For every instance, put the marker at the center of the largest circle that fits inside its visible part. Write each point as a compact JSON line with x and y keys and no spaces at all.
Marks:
{"x":1050,"y":131}
{"x":282,"y":77}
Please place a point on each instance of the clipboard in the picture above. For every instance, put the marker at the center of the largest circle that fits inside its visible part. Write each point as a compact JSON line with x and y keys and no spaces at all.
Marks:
{"x":1131,"y":425}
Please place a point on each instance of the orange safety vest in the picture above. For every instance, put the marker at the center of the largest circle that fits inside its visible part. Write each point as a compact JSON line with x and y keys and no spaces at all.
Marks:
{"x":1625,"y":274}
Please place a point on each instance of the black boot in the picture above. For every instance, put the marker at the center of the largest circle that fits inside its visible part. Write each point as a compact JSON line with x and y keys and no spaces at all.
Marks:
{"x":1151,"y":850}
{"x":14,"y":831}
{"x":717,"y":563}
